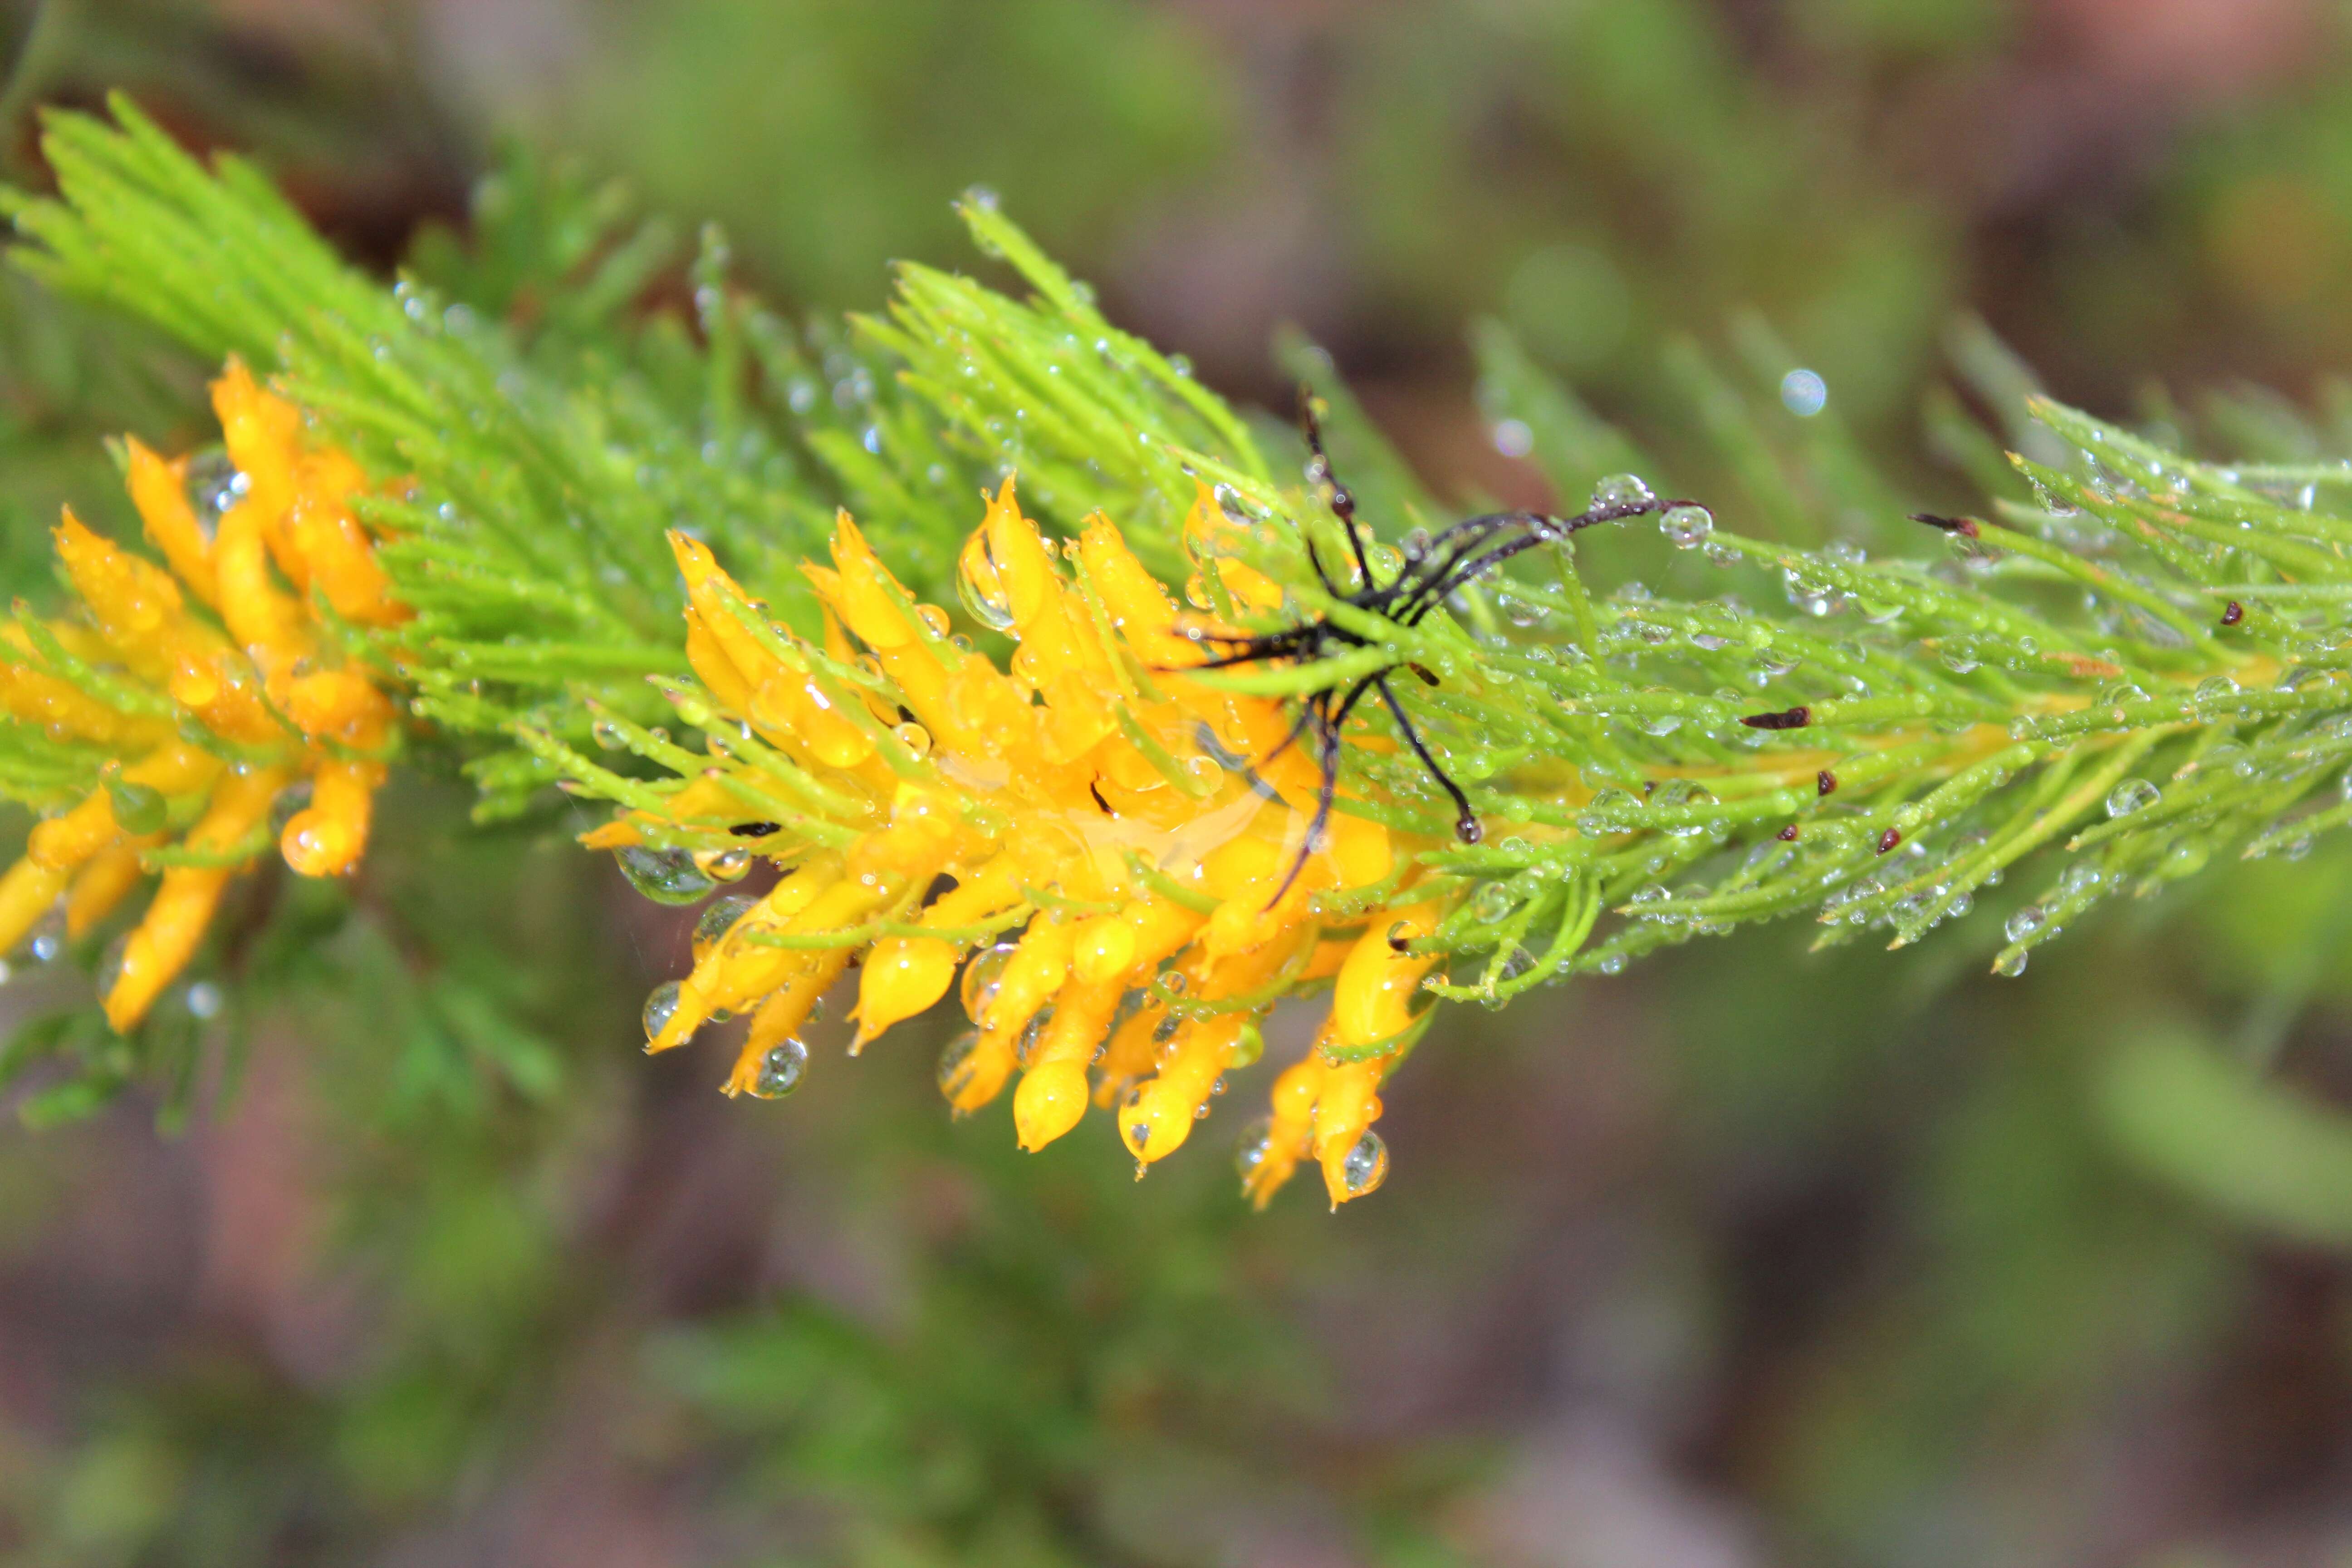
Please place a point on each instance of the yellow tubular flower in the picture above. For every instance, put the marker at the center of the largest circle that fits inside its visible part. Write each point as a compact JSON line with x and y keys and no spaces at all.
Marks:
{"x":1105,"y":878}
{"x":207,"y":728}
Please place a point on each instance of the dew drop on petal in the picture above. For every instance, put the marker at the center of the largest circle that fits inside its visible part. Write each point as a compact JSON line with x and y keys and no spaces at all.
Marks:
{"x":661,"y":1006}
{"x":724,"y":866}
{"x":781,"y":1071}
{"x":1256,"y":1143}
{"x":983,"y":977}
{"x":956,"y":1065}
{"x":1366,"y":1166}
{"x":665,"y":875}
{"x":981,"y":587}
{"x":718,"y":919}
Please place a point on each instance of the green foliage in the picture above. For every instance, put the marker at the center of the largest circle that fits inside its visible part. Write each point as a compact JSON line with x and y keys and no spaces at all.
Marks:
{"x":2067,"y":674}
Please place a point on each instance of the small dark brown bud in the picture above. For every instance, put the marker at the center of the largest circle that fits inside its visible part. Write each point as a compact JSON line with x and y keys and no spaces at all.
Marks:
{"x":1966,"y":527}
{"x":1826,"y":781}
{"x":1468,"y":830}
{"x":755,"y":829}
{"x":1787,"y":835}
{"x":2233,"y":613}
{"x":1889,"y":839}
{"x":1795,"y":718}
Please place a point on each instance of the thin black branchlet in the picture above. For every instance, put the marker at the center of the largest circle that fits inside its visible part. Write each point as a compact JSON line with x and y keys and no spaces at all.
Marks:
{"x":1435,"y":567}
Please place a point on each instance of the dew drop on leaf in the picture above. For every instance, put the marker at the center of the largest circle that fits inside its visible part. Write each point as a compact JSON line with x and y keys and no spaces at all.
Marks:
{"x":1687,"y":527}
{"x":1620,"y":489}
{"x":2131,"y":795}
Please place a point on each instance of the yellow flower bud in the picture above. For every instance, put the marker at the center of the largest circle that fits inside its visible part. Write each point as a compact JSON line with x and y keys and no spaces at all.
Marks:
{"x":1379,"y":992}
{"x":903,"y":975}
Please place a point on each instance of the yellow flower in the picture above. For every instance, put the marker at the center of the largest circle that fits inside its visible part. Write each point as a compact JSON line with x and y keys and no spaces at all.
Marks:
{"x":1110,"y":837}
{"x":211,"y":711}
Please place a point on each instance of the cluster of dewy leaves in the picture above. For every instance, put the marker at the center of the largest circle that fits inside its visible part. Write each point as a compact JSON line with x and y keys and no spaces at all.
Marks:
{"x":548,"y":438}
{"x":2139,"y":662}
{"x":549,"y":433}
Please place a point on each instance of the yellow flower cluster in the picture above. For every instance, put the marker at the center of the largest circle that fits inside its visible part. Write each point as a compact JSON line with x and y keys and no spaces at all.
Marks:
{"x":1082,"y":835}
{"x":215,"y":708}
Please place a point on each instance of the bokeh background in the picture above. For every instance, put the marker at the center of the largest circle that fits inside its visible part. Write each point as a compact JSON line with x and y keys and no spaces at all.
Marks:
{"x":1750,"y":1257}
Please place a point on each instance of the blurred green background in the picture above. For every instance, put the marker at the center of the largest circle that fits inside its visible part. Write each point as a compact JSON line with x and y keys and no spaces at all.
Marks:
{"x":1745,"y":1257}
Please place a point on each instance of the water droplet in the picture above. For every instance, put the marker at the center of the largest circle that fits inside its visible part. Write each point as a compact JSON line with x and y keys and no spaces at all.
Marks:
{"x":2024,"y":923}
{"x":1803,"y":393}
{"x":956,"y":1065}
{"x":1366,"y":1166}
{"x":109,"y":965}
{"x":981,"y":978}
{"x":661,"y":1006}
{"x":1613,"y":964}
{"x":1256,"y":1142}
{"x":781,"y":1071}
{"x":665,"y":875}
{"x":138,"y":808}
{"x":718,"y":919}
{"x":607,"y":735}
{"x":1032,"y":1034}
{"x":48,"y":939}
{"x":2131,"y":795}
{"x":1491,"y":903}
{"x":1687,"y":527}
{"x":1621,"y":489}
{"x":981,"y":587}
{"x":214,"y":486}
{"x":915,"y":738}
{"x":2216,"y":691}
{"x":2011,"y":965}
{"x":935,"y":620}
{"x":730,"y":864}
{"x":1518,"y":609}
{"x":1608,"y":812}
{"x":1513,"y":438}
